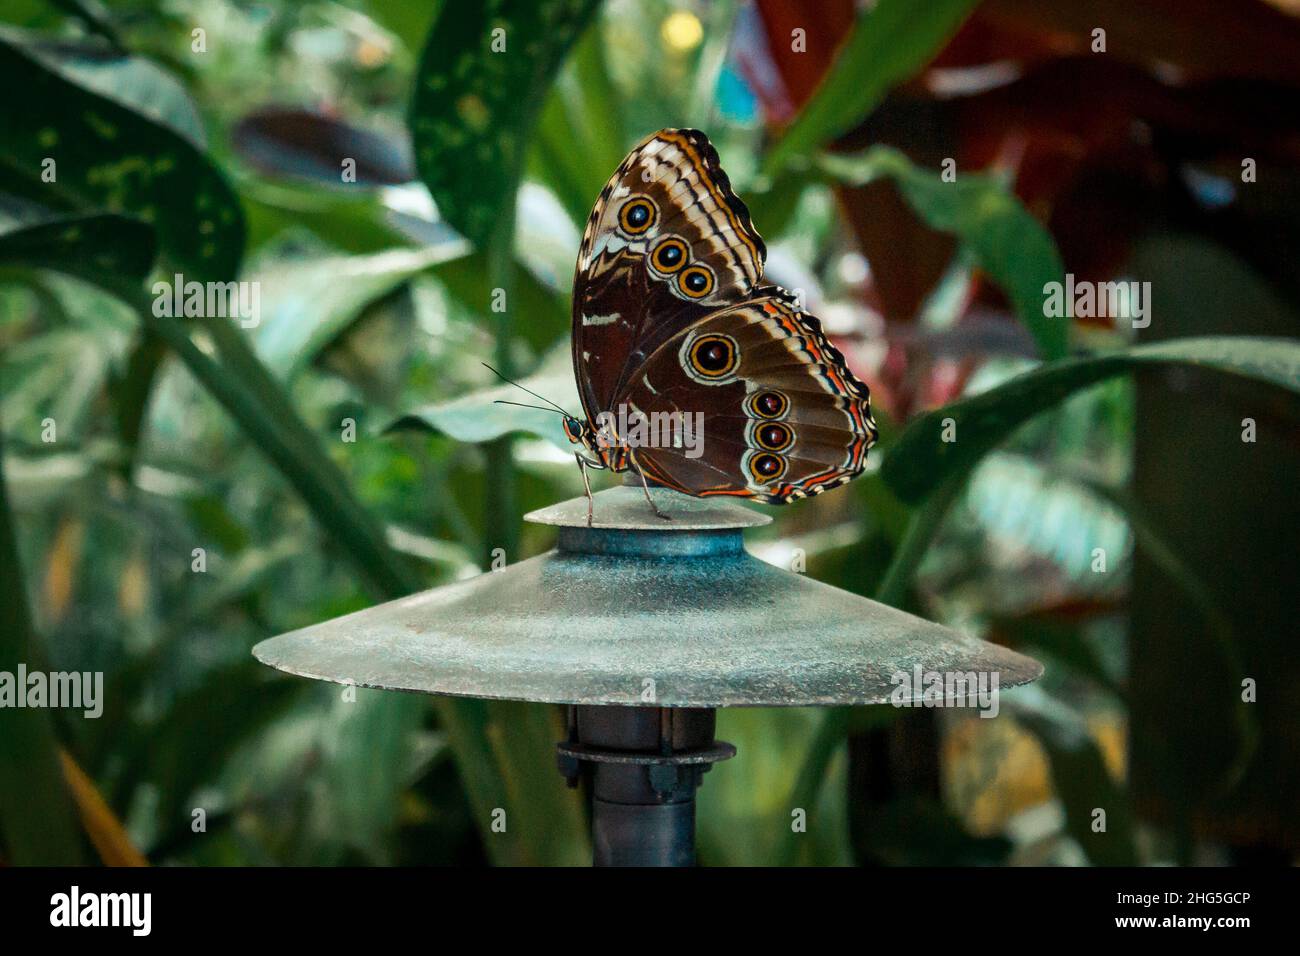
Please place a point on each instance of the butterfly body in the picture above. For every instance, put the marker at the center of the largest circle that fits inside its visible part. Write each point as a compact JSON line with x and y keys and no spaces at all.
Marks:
{"x":673,"y":327}
{"x":606,"y":454}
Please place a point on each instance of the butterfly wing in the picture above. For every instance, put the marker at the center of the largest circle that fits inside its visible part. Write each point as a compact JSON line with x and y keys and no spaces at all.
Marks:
{"x":667,"y":243}
{"x":781,"y":415}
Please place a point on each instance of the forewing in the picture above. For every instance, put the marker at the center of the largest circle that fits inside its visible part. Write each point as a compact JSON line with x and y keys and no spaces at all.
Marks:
{"x":631,"y":292}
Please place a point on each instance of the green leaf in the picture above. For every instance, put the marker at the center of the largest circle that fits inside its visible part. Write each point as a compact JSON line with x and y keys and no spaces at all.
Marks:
{"x":890,"y":42}
{"x":87,"y":245}
{"x":125,"y":136}
{"x":265,"y":416}
{"x":474,"y":108}
{"x":307,"y":305}
{"x":515,"y":754}
{"x":547,"y":311}
{"x":1004,"y":239}
{"x":756,"y":793}
{"x":36,"y":820}
{"x":377,"y":733}
{"x":922,"y":528}
{"x":823,"y":744}
{"x":546,"y":811}
{"x":110,"y":157}
{"x":580,"y":138}
{"x":409,"y":22}
{"x":136,"y":83}
{"x":351,"y":221}
{"x":477,"y":418}
{"x":921,"y":459}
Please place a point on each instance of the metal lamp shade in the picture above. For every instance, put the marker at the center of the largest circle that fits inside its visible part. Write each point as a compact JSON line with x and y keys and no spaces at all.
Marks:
{"x":636,"y":610}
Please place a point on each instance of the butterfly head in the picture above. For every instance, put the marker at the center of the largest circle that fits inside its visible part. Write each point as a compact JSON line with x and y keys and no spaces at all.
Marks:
{"x":603,"y":444}
{"x":582,"y":433}
{"x":575,"y":430}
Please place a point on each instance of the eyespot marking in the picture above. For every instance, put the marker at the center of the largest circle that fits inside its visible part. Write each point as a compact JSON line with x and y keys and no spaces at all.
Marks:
{"x":768,"y":404}
{"x":713,"y":356}
{"x":695,"y":282}
{"x":766,"y":467}
{"x":669,"y":256}
{"x":773,"y":436}
{"x":637,"y":215}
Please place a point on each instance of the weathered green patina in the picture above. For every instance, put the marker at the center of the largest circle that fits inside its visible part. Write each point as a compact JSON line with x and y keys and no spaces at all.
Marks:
{"x":640,"y":611}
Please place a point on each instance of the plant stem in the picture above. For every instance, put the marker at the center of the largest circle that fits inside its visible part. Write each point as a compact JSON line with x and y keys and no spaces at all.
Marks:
{"x":500,"y":521}
{"x":36,"y":820}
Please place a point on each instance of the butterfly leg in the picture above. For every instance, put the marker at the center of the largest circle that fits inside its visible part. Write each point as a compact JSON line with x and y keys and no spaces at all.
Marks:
{"x":650,"y":501}
{"x":586,"y":483}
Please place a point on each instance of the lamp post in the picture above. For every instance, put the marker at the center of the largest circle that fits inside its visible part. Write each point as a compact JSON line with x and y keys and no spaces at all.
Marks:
{"x":643,"y":627}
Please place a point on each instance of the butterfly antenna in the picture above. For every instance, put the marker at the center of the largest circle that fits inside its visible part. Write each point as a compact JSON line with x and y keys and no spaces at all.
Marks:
{"x":540,"y":408}
{"x":528,"y":390}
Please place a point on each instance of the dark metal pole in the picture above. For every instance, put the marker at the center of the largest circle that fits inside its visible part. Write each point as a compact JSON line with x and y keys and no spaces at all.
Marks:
{"x":644,"y":764}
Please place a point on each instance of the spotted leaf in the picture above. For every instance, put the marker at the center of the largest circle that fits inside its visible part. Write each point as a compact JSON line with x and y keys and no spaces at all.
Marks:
{"x":69,"y":148}
{"x":483,"y":75}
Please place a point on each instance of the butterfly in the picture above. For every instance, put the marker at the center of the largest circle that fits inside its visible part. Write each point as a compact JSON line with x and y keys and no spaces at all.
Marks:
{"x":672,"y":323}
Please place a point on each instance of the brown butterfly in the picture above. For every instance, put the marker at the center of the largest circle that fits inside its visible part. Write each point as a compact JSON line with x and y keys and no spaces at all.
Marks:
{"x":672,"y":324}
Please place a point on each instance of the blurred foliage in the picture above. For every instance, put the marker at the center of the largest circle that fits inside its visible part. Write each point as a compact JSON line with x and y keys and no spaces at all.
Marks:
{"x":347,"y":448}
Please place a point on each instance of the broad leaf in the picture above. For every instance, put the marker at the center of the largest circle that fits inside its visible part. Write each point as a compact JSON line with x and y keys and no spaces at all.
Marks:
{"x":307,"y":305}
{"x":1005,"y":240}
{"x":87,"y":246}
{"x":891,"y":41}
{"x":479,"y":87}
{"x":136,"y":83}
{"x":268,"y":419}
{"x":922,"y":459}
{"x":477,"y":417}
{"x":35,"y":814}
{"x":580,"y":138}
{"x":109,"y":157}
{"x":366,"y":759}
